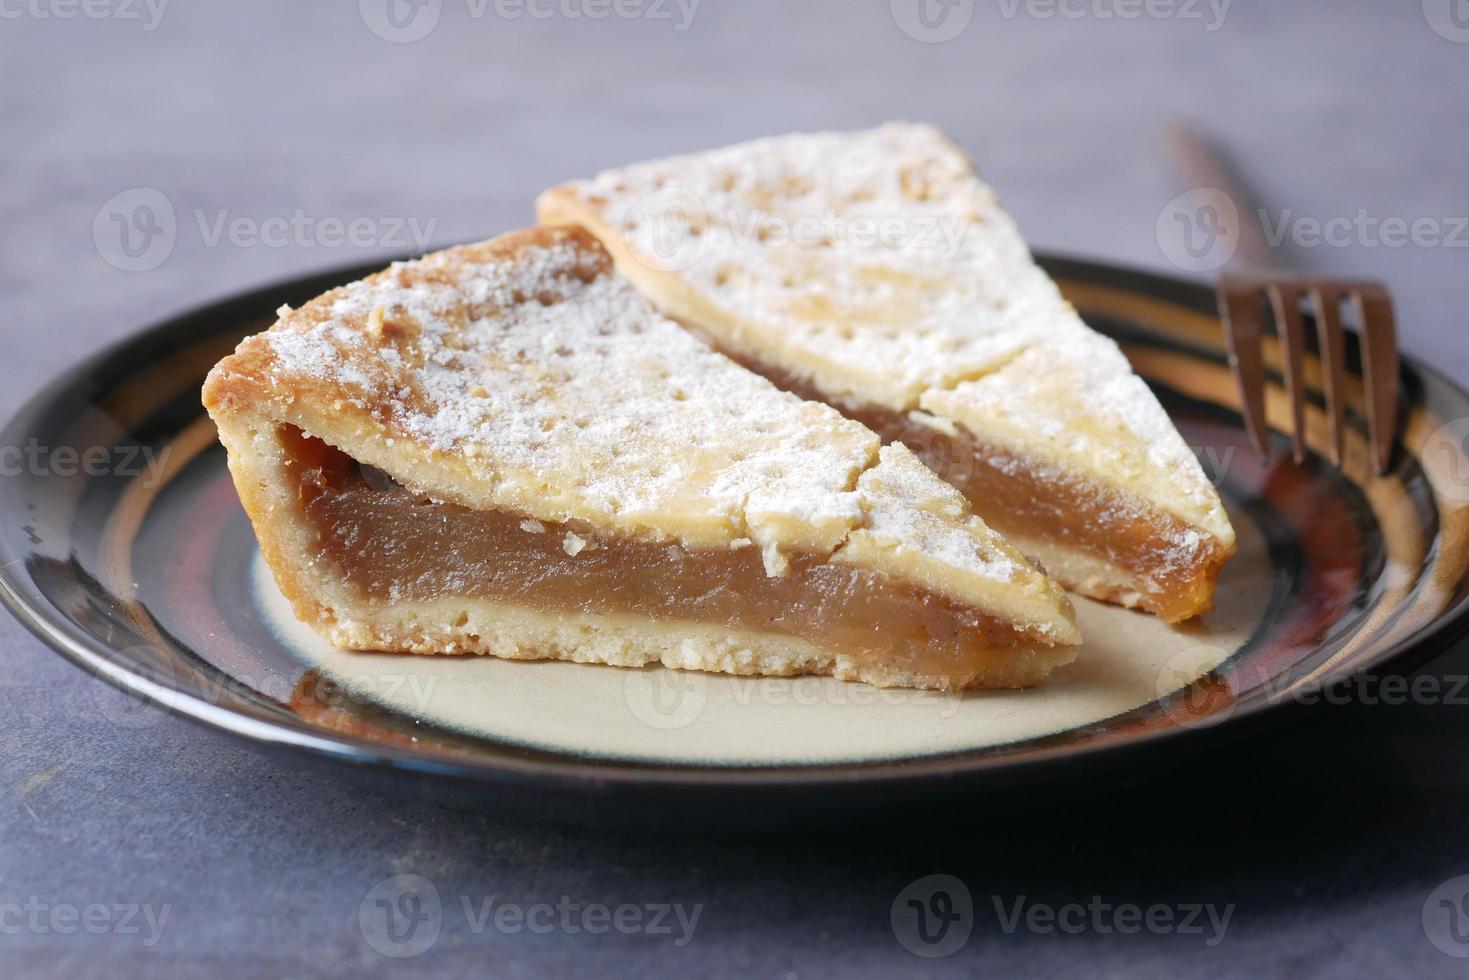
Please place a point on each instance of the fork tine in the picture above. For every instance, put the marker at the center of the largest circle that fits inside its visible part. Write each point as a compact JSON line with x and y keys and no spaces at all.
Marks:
{"x":1374,"y":312}
{"x":1240,"y":312}
{"x":1285,"y":302}
{"x":1326,"y":304}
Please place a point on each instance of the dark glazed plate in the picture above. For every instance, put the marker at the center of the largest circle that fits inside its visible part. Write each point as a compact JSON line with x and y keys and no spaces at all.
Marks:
{"x":125,"y":549}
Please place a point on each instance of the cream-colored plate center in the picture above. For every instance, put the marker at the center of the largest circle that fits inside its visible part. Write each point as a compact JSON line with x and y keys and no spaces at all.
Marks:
{"x":660,"y":715}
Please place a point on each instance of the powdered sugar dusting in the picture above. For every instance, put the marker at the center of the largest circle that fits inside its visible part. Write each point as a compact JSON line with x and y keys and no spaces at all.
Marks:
{"x":908,"y":504}
{"x":927,"y":315}
{"x":551,"y":372}
{"x":1078,"y":401}
{"x":848,"y":249}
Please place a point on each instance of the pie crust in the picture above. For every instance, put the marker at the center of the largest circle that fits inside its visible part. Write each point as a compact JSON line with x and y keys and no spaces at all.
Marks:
{"x":502,"y":448}
{"x":876,"y":271}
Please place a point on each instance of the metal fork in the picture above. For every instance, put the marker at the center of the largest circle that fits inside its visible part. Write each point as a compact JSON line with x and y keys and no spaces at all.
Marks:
{"x":1241,"y":307}
{"x":1243,"y":299}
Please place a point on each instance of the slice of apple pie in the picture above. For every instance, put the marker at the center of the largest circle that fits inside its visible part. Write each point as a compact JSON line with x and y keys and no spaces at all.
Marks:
{"x":876,"y":271}
{"x":502,"y":448}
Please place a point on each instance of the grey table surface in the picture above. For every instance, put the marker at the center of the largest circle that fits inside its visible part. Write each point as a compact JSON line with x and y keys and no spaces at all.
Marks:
{"x":1327,"y":839}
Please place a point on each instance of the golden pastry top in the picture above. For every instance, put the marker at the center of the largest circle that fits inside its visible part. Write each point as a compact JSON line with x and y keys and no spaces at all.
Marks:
{"x":881,"y":268}
{"x":524,"y":374}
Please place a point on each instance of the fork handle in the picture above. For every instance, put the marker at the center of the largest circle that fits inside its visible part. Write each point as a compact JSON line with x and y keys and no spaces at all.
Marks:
{"x":1202,"y":164}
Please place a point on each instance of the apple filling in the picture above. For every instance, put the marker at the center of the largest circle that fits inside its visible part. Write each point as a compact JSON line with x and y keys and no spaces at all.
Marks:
{"x":393,"y":546}
{"x":1169,"y":568}
{"x":1170,"y":565}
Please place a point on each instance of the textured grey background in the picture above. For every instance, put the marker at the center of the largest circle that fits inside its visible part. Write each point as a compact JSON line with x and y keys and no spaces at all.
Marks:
{"x":1328,"y":838}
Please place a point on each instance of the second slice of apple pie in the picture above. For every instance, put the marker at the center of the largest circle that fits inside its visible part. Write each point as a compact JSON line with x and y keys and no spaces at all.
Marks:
{"x":502,"y":448}
{"x":876,"y":271}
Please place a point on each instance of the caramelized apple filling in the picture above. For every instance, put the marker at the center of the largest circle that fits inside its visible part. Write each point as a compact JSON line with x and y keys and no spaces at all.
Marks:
{"x":1172,"y":567}
{"x":1175,"y":566}
{"x":394,"y":546}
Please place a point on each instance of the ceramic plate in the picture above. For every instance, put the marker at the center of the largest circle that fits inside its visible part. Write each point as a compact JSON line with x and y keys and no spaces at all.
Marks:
{"x":125,"y":548}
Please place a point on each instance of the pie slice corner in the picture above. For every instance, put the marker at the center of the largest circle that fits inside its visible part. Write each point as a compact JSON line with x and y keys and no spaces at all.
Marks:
{"x":504,"y":449}
{"x":876,"y":271}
